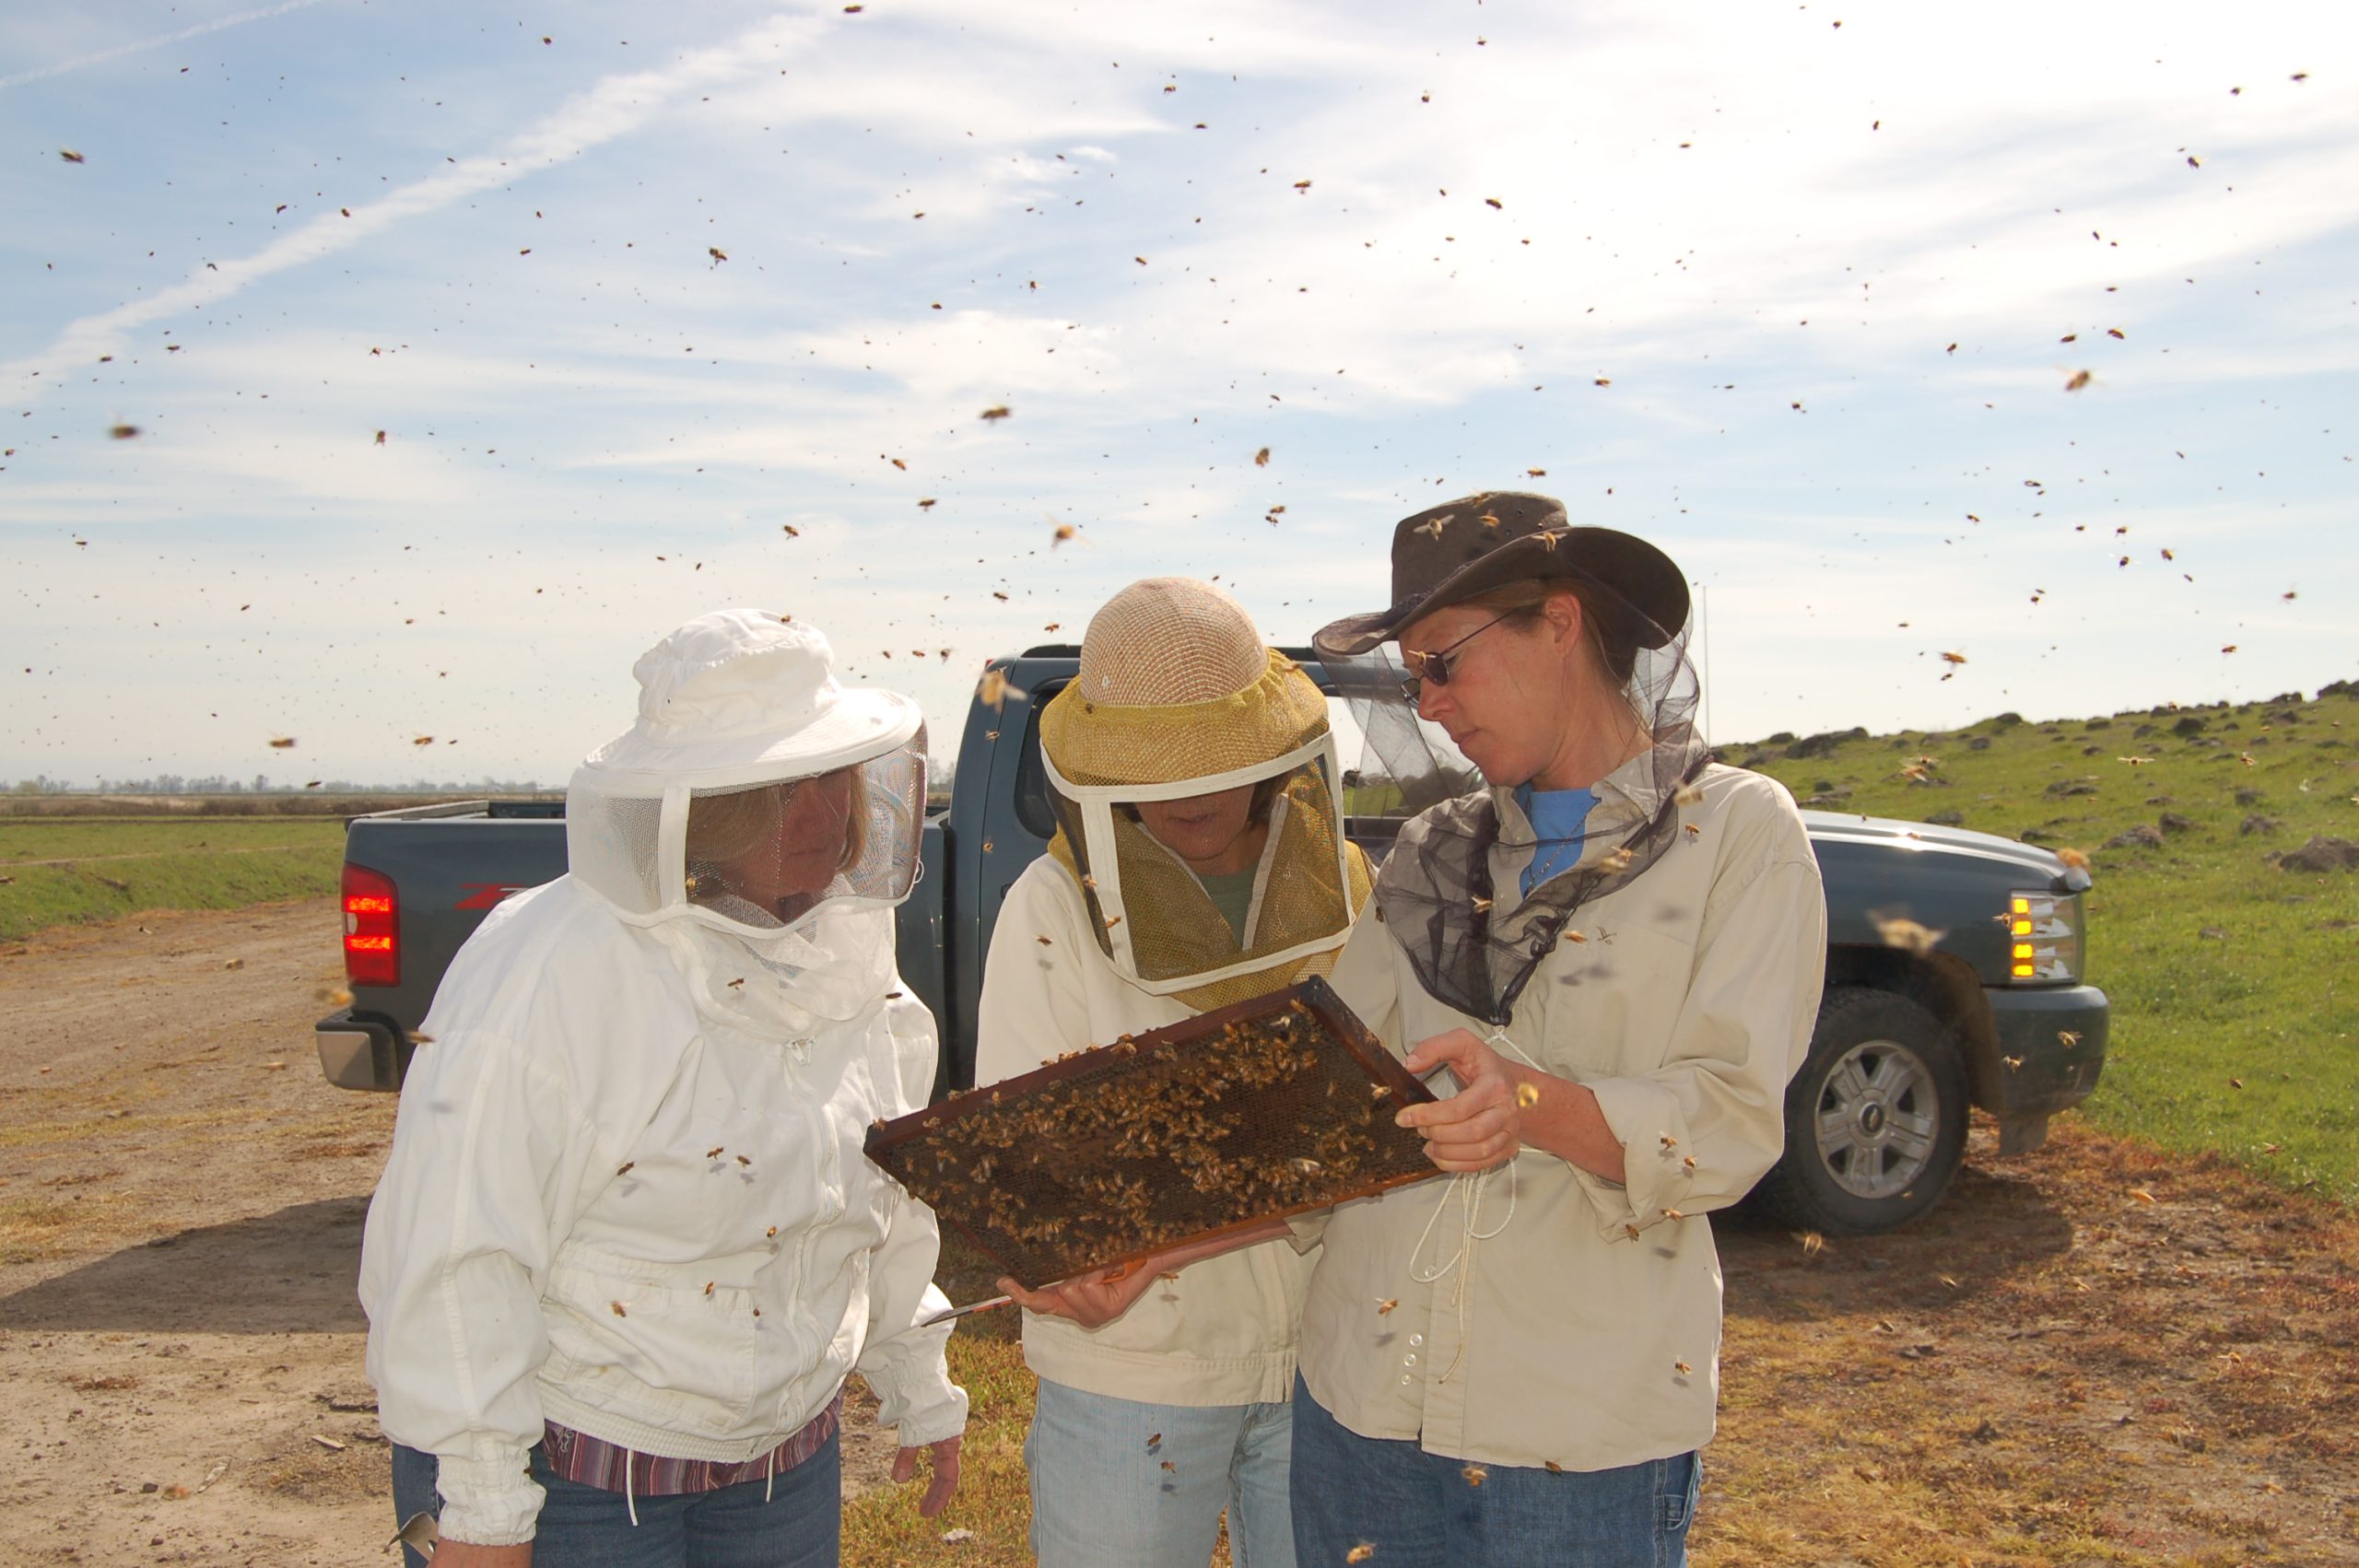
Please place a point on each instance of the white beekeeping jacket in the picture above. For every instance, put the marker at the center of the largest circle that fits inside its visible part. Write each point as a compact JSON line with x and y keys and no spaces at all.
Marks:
{"x":626,"y":1192}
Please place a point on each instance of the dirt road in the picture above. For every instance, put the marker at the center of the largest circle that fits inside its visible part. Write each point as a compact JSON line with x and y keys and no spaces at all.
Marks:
{"x":2090,"y":1354}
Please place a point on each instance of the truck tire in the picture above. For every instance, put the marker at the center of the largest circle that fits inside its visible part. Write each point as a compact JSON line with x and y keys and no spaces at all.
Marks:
{"x":1876,"y":1121}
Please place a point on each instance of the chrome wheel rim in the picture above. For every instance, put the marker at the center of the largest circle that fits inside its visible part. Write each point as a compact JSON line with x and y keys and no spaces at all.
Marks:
{"x":1878,"y":1117}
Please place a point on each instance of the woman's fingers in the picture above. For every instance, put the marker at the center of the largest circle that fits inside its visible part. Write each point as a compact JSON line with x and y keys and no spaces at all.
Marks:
{"x":1459,"y":1047}
{"x":1090,"y":1301}
{"x":1047,"y":1301}
{"x":944,"y":1456}
{"x":945,"y":1477}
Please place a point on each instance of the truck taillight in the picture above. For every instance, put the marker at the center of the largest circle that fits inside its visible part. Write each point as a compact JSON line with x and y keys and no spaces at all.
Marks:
{"x":373,"y":952}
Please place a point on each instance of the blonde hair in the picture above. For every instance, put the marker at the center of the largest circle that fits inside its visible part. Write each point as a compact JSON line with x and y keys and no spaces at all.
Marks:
{"x":724,"y":829}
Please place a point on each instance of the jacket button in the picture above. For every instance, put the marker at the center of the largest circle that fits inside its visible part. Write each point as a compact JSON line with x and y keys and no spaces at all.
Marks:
{"x":1416,"y":1340}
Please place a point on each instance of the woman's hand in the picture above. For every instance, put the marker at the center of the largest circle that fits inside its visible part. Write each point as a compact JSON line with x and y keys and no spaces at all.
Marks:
{"x":1482,"y":1125}
{"x":945,"y":1455}
{"x":450,"y":1554}
{"x":1503,"y":1105}
{"x":1090,"y":1300}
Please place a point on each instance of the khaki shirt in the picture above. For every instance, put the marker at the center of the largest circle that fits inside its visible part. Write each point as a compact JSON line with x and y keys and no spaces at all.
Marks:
{"x":1580,"y":1324}
{"x":1222,"y":1333}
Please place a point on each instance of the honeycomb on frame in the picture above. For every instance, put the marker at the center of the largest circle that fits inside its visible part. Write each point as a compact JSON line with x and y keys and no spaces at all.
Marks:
{"x":1273,"y":1106}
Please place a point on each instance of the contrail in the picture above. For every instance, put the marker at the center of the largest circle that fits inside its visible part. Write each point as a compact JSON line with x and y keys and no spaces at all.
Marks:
{"x":119,"y":50}
{"x":612,"y":107}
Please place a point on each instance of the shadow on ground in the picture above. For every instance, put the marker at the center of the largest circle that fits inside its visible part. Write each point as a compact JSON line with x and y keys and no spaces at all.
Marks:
{"x":292,"y":1272}
{"x":1990,"y":1228}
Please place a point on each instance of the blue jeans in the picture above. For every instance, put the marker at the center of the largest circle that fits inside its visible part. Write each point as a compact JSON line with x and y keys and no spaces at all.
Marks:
{"x":587,"y":1527}
{"x":1118,"y":1483}
{"x":1419,"y":1510}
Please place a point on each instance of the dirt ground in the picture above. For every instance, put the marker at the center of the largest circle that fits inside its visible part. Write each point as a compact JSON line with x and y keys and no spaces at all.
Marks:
{"x":2090,"y":1354}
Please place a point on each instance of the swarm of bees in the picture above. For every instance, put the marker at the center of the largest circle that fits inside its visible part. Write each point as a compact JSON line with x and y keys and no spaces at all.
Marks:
{"x":1133,"y":1147}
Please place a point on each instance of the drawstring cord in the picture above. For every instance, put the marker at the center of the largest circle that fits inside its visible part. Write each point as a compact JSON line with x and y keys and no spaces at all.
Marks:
{"x":1469,"y":1189}
{"x":630,"y":1504}
{"x":769,"y":1482}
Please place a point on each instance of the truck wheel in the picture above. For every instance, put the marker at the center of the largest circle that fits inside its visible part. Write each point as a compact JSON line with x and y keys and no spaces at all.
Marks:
{"x":1876,"y":1121}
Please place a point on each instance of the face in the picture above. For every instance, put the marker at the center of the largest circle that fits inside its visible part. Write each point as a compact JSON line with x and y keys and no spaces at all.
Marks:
{"x":1213,"y":834}
{"x":779,"y":847}
{"x":1503,"y":703}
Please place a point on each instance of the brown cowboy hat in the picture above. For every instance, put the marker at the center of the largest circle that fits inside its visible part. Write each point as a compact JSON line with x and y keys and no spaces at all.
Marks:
{"x":1448,"y":554}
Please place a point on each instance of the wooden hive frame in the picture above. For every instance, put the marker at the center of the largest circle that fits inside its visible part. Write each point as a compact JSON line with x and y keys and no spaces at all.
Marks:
{"x":1266,"y":1108}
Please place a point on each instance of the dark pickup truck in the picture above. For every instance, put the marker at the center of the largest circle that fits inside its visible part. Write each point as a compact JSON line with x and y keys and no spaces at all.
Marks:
{"x":1954,"y":959}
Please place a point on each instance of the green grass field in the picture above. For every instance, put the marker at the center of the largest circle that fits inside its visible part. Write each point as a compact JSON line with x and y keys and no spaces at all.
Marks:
{"x":2235,"y":984}
{"x":68,"y":870}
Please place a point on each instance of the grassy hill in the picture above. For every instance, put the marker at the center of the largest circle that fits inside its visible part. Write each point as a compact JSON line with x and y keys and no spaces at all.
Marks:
{"x":2234,"y":979}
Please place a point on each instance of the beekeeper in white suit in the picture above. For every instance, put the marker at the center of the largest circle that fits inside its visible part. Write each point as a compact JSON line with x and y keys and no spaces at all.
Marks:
{"x":627,"y":1248}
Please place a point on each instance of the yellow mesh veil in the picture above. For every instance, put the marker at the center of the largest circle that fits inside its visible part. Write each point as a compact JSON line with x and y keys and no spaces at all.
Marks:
{"x":1178,"y":696}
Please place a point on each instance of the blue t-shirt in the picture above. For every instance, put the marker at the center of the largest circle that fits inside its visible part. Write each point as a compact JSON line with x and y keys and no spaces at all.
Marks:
{"x":1556,"y":816}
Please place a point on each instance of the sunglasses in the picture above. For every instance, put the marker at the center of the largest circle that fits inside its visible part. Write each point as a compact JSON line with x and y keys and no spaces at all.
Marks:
{"x":1434,"y":666}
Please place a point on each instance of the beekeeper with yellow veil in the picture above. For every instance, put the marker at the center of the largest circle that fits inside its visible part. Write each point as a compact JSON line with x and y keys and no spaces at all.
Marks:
{"x":1198,"y":860}
{"x":625,"y":1250}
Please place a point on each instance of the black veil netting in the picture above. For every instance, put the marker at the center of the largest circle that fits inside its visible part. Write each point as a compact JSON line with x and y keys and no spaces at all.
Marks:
{"x":1475,"y":941}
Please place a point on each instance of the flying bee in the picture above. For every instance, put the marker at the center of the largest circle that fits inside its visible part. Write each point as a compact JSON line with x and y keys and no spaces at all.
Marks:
{"x":1693,"y":832}
{"x":623,"y":1169}
{"x":1475,"y":1475}
{"x":1262,"y":458}
{"x":1687,"y":1162}
{"x":715,"y":1152}
{"x":1672,"y":1214}
{"x":617,"y":1307}
{"x":1688,"y":794}
{"x":1953,"y":658}
{"x":997,"y":411}
{"x":995,"y":687}
{"x":744,"y":1161}
{"x":1360,"y":1553}
{"x":2068,"y":1038}
{"x":1682,"y":1368}
{"x":1668,"y":1140}
{"x":1907,"y":935}
{"x":1384,"y":1308}
{"x":1527,"y":1096}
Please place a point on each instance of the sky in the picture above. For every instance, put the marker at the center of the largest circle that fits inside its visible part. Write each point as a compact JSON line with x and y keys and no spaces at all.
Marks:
{"x":468,"y":350}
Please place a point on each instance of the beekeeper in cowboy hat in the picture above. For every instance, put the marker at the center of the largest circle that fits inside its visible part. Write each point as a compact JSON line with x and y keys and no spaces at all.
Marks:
{"x":625,"y":1250}
{"x":1615,"y":948}
{"x":1198,"y":860}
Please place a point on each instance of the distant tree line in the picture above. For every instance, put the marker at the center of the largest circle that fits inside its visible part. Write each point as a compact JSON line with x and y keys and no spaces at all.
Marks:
{"x":260,"y":784}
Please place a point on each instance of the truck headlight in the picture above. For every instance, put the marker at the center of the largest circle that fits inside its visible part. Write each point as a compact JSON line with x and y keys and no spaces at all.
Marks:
{"x":2043,"y":936}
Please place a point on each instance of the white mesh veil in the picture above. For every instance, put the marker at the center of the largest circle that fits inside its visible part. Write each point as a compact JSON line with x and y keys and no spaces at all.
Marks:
{"x":758,"y":821}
